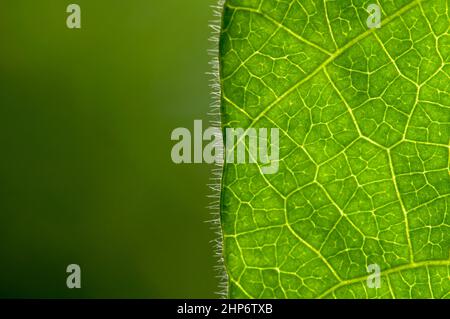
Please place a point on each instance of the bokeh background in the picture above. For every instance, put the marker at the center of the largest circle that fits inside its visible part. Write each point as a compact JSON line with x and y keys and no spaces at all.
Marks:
{"x":85,"y":170}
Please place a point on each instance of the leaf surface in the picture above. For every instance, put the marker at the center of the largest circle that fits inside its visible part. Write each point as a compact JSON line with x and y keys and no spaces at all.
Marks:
{"x":364,"y":120}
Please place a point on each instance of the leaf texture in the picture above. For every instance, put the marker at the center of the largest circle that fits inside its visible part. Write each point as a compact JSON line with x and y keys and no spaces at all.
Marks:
{"x":364,"y":120}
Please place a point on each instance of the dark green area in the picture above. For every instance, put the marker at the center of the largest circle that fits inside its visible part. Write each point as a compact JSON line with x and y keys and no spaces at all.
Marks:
{"x":85,"y":170}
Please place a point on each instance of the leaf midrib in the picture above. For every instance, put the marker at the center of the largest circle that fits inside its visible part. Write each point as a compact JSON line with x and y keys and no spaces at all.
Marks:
{"x":415,"y":265}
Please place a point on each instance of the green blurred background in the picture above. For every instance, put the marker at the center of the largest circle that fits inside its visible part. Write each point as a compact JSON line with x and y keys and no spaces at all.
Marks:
{"x":85,"y":170}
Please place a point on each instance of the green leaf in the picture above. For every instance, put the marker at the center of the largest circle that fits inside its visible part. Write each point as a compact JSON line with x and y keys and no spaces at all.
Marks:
{"x":364,"y":122}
